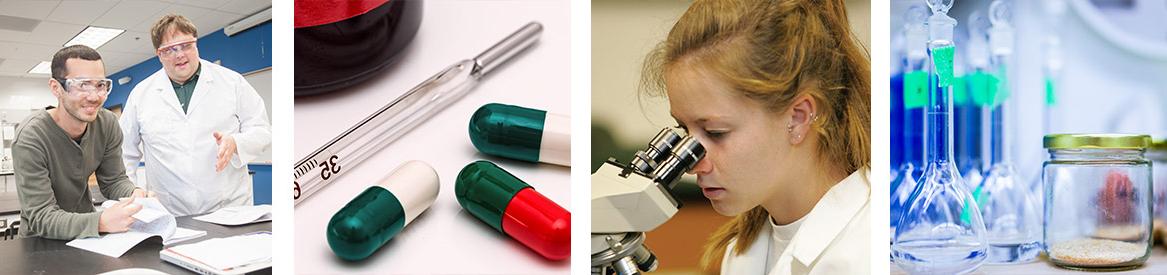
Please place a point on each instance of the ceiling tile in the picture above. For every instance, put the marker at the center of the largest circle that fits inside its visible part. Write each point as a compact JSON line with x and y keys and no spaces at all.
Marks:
{"x":28,"y":9}
{"x":180,"y":9}
{"x":130,"y":13}
{"x":245,"y":7}
{"x":34,"y":51}
{"x":8,"y":49}
{"x":80,"y":12}
{"x":210,"y":4}
{"x":14,"y":36}
{"x":53,"y":33}
{"x":115,"y":62}
{"x":130,"y":42}
{"x":17,"y":66}
{"x":214,"y":21}
{"x":19,"y":24}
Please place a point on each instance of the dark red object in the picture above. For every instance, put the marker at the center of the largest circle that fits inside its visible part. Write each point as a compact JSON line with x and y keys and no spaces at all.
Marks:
{"x":1116,"y":203}
{"x":539,"y":224}
{"x":319,"y":12}
{"x":339,"y":44}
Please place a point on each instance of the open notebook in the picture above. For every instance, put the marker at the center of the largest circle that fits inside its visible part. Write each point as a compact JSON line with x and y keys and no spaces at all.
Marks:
{"x":231,"y":255}
{"x":152,"y":220}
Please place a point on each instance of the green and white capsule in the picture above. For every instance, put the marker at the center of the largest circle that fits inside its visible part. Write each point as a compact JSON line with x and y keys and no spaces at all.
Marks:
{"x":522,"y":133}
{"x":380,"y":212}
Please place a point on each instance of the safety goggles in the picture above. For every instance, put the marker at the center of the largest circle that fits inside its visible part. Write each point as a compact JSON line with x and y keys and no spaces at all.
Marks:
{"x":76,"y":86}
{"x":174,"y":49}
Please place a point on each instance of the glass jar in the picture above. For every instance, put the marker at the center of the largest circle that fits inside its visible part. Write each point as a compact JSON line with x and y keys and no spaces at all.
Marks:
{"x":1098,"y":201}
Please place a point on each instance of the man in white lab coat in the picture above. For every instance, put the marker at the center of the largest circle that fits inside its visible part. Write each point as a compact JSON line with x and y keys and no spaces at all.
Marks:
{"x":195,"y":123}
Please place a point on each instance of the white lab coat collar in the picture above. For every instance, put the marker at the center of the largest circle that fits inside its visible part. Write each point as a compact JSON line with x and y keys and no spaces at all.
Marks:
{"x":825,"y":222}
{"x":206,"y":77}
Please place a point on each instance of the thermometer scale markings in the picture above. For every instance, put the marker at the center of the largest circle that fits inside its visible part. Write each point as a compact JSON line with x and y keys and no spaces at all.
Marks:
{"x":304,"y":169}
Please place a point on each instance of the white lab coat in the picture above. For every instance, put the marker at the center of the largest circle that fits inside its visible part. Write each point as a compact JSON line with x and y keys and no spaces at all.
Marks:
{"x":834,"y":238}
{"x":179,"y":148}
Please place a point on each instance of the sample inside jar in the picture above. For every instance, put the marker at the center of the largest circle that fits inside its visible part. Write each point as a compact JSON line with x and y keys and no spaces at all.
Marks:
{"x":1157,"y":229}
{"x":1095,"y":252}
{"x":1130,"y":232}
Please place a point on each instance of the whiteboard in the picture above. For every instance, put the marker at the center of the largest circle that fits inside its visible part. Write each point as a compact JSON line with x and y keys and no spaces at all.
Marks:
{"x":261,"y":81}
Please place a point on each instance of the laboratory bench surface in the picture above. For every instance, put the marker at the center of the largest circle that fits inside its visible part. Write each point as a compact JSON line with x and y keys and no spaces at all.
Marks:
{"x":1156,"y":264}
{"x":45,"y":256}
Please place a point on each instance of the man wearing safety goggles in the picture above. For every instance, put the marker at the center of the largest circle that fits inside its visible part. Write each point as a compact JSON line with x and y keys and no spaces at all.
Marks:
{"x":55,"y":151}
{"x":195,"y":124}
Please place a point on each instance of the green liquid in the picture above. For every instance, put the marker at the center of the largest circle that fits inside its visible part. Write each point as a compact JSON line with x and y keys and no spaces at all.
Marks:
{"x":942,"y":58}
{"x":1050,"y":93}
{"x":915,"y":89}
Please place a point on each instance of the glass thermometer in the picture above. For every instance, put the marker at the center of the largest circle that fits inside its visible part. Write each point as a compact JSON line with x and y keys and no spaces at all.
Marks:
{"x":376,"y":131}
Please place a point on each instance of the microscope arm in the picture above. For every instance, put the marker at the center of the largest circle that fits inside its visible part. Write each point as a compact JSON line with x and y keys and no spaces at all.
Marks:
{"x":628,"y":202}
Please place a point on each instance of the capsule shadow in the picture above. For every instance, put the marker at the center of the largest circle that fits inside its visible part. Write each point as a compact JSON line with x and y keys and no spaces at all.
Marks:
{"x":517,"y":163}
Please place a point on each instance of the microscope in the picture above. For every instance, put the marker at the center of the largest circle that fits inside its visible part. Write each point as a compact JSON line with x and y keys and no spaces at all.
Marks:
{"x":629,"y":200}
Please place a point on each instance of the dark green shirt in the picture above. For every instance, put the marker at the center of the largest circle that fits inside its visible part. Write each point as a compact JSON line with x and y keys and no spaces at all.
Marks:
{"x":186,"y":90}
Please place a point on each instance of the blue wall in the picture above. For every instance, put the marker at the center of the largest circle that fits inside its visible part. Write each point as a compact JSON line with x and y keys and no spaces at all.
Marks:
{"x":260,"y":183}
{"x":244,"y":52}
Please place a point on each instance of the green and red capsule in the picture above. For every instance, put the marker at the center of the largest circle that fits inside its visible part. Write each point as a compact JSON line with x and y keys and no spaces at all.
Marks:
{"x":511,"y":206}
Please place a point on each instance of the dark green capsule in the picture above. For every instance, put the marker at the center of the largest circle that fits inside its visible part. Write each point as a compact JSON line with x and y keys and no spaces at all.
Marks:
{"x":508,"y":131}
{"x":365,"y":224}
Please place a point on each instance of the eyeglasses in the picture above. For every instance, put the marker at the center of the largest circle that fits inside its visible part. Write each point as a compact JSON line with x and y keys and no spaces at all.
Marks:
{"x":97,"y":86}
{"x":176,"y":48}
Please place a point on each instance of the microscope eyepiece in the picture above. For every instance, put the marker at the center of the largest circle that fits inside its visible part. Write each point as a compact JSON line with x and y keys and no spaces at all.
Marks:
{"x":684,"y":156}
{"x":647,"y":160}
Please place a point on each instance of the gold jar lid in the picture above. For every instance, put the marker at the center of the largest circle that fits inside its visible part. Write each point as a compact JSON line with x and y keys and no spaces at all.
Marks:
{"x":1097,"y":141}
{"x":1159,"y":145}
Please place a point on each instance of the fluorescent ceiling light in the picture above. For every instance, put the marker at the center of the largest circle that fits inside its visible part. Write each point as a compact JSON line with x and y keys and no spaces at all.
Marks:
{"x":94,"y":37}
{"x":42,"y":68}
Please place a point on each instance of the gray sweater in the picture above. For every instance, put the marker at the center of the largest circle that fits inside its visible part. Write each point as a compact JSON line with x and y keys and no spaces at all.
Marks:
{"x":52,"y":172}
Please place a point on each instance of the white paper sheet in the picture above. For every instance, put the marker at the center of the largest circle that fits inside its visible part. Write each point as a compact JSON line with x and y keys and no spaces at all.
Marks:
{"x":113,"y":245}
{"x":183,"y":234}
{"x":238,"y":215}
{"x":244,"y":249}
{"x":152,"y":220}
